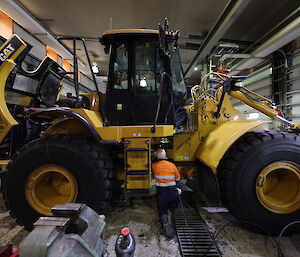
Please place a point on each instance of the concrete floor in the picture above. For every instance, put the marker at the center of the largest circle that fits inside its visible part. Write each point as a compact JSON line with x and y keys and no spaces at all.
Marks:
{"x":141,"y":218}
{"x":236,"y":241}
{"x":10,"y":231}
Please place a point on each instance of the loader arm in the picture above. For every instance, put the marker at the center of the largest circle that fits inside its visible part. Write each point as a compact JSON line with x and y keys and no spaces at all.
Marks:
{"x":9,"y":52}
{"x":265,"y":108}
{"x":230,"y":86}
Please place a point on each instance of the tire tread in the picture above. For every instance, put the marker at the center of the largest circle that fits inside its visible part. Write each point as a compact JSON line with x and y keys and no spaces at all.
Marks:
{"x":94,"y":151}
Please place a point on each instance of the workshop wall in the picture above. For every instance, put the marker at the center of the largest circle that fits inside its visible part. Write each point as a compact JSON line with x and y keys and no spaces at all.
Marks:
{"x":260,"y":82}
{"x":39,"y":49}
{"x":293,"y":85}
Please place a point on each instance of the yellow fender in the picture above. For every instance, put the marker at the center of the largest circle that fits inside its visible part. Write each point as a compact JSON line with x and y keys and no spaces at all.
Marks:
{"x":213,"y":148}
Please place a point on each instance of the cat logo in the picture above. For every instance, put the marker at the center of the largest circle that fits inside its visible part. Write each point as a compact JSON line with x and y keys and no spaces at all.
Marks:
{"x":6,"y":52}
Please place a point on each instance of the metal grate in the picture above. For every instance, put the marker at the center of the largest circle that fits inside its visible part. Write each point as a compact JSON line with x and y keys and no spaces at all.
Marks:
{"x":193,"y":236}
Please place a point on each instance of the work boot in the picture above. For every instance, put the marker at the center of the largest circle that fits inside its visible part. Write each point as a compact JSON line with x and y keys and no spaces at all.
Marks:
{"x":167,"y":227}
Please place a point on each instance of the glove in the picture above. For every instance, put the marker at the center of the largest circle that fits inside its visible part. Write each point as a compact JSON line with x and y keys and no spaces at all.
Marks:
{"x":178,"y":190}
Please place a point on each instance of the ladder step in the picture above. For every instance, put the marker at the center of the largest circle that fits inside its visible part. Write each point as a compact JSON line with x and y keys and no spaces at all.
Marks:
{"x":137,"y":172}
{"x":136,"y":149}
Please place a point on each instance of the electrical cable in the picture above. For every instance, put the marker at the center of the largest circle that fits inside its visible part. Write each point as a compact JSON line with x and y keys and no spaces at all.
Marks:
{"x":257,"y":95}
{"x":216,"y":234}
{"x":279,"y":250}
{"x":254,"y":100}
{"x":264,"y":100}
{"x":220,"y":229}
{"x":281,"y":234}
{"x":202,"y":87}
{"x":220,"y":75}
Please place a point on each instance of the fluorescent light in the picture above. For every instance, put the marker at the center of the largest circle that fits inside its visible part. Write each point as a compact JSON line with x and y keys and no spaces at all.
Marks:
{"x":143,"y":83}
{"x":196,"y":68}
{"x":253,"y":116}
{"x":95,"y":68}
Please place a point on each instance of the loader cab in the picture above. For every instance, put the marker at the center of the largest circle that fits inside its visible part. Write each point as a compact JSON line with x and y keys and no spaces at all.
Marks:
{"x":139,"y":79}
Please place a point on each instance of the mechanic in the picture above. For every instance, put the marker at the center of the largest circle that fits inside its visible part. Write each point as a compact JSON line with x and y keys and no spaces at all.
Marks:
{"x":167,"y":180}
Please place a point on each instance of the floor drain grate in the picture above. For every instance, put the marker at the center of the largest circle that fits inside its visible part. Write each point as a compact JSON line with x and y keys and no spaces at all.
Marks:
{"x":193,"y":236}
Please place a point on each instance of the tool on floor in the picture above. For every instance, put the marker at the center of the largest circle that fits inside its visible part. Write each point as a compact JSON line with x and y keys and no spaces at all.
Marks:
{"x":7,"y":251}
{"x":125,"y":244}
{"x":75,"y":230}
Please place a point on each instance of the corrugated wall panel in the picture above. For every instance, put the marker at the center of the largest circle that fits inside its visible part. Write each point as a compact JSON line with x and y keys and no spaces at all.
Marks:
{"x":87,"y":82}
{"x":293,"y":86}
{"x":101,"y":82}
{"x":261,"y":83}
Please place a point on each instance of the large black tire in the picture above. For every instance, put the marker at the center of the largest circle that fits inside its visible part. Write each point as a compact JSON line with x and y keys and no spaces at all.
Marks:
{"x":88,"y":162}
{"x":207,"y":177}
{"x":239,"y":169}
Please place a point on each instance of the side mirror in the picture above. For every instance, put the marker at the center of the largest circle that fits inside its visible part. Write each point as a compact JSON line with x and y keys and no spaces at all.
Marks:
{"x":175,"y":37}
{"x":166,"y":37}
{"x":163,"y":41}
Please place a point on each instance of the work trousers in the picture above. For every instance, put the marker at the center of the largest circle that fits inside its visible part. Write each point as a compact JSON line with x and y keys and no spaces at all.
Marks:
{"x":167,"y":199}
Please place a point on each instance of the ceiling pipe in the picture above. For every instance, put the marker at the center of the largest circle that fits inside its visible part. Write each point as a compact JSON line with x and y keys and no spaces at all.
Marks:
{"x":232,"y":10}
{"x":20,"y":15}
{"x":280,"y":39}
{"x":234,"y":56}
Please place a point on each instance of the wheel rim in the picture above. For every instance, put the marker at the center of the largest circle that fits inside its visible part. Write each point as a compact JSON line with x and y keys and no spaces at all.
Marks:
{"x":278,"y":187}
{"x":50,"y":185}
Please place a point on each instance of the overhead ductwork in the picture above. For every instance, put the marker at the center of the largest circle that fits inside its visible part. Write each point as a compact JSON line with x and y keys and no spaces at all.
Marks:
{"x":280,"y":39}
{"x":233,"y":9}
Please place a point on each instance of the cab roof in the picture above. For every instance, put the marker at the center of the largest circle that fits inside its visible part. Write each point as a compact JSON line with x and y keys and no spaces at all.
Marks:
{"x":111,"y":35}
{"x":130,"y":31}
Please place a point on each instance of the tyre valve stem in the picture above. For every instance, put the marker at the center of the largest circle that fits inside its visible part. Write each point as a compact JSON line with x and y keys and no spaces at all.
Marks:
{"x":261,"y":180}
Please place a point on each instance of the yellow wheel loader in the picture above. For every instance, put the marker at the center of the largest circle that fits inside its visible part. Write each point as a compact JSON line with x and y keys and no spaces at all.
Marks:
{"x":73,"y":150}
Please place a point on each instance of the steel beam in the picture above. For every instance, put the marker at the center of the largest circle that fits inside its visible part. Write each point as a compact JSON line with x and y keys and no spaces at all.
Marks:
{"x":233,"y":9}
{"x":287,"y":34}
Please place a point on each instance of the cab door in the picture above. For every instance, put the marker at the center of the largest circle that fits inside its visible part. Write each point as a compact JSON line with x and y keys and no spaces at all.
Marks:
{"x":151,"y":83}
{"x":145,"y":81}
{"x":118,"y":106}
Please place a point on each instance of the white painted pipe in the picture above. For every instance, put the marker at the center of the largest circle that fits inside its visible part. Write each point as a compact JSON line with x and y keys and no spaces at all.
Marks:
{"x":280,"y":39}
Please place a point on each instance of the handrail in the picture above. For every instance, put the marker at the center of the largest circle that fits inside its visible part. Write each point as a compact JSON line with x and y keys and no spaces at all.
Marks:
{"x":160,"y":99}
{"x":74,"y":39}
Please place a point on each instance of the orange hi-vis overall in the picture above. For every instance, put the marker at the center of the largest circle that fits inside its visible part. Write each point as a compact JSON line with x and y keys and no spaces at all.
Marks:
{"x":165,"y":173}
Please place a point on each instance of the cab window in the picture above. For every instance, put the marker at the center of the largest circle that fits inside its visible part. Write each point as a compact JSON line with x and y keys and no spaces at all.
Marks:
{"x":145,"y":66}
{"x":121,"y":68}
{"x":177,"y":78}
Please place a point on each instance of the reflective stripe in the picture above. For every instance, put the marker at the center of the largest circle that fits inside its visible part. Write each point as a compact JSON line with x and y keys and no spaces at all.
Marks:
{"x":164,"y":177}
{"x":165,"y":184}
